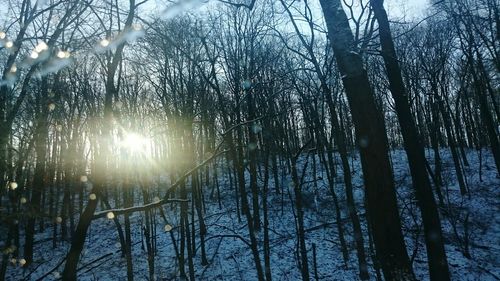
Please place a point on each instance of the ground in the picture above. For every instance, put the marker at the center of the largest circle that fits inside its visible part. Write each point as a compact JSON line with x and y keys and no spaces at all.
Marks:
{"x":230,"y":258}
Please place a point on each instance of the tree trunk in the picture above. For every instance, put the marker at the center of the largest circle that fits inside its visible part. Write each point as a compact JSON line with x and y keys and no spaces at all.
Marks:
{"x":371,"y":137}
{"x":38,"y":178}
{"x":438,"y":265}
{"x":300,"y":221}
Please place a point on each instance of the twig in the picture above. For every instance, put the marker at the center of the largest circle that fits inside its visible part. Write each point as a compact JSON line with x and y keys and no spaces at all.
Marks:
{"x":211,"y":260}
{"x":52,"y":270}
{"x":96,"y":260}
{"x":487,"y":271}
{"x":122,"y":211}
{"x":27,"y":277}
{"x":165,"y":200}
{"x":229,"y":236}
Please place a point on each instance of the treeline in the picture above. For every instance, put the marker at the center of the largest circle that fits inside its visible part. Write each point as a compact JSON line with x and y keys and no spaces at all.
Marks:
{"x":249,"y":87}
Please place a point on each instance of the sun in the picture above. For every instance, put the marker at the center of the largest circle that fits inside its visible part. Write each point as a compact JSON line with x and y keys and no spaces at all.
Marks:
{"x":135,"y":143}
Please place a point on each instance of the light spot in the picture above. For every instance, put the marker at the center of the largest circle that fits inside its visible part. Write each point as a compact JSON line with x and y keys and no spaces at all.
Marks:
{"x":156,"y":199}
{"x":135,"y":143}
{"x":2,"y":35}
{"x":137,"y":27}
{"x":23,"y":200}
{"x":364,"y":142}
{"x":252,"y":146}
{"x":13,"y":185}
{"x":104,"y":42}
{"x":180,"y":7}
{"x":41,"y":47}
{"x":13,"y":261}
{"x":59,"y":127}
{"x":22,"y":262}
{"x":61,"y":54}
{"x":13,"y":68}
{"x":168,"y":228}
{"x":92,"y":196}
{"x":52,"y":106}
{"x":246,"y":85}
{"x":34,"y":55}
{"x":9,"y":44}
{"x":83,"y":179}
{"x":110,"y":215}
{"x":256,"y":129}
{"x":7,"y":250}
{"x":58,"y":220}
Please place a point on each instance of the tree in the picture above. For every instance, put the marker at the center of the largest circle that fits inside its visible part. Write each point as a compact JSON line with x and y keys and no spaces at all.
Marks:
{"x":78,"y":241}
{"x":438,"y":265}
{"x":372,"y":142}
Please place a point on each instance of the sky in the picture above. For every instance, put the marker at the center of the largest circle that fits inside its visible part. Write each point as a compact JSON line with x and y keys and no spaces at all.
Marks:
{"x":413,"y":9}
{"x":396,"y":9}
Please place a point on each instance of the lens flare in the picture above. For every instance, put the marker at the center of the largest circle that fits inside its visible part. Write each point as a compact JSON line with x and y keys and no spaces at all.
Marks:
{"x":135,"y":143}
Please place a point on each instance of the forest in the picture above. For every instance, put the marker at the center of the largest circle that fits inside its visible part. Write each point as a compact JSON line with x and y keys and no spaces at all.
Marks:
{"x":249,"y":140}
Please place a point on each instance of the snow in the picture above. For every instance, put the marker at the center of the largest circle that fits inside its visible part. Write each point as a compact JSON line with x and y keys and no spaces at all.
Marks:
{"x":230,"y":257}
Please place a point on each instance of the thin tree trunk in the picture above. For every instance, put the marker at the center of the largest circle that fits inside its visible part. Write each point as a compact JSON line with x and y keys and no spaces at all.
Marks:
{"x":38,"y":180}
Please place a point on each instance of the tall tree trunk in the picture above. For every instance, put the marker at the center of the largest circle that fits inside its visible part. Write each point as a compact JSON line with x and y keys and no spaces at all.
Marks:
{"x":451,"y":142}
{"x":372,"y":140}
{"x":438,"y":265}
{"x":351,"y":207}
{"x":78,"y":241}
{"x":39,"y":176}
{"x":128,"y":201}
{"x":300,"y":220}
{"x":252,"y":148}
{"x":486,"y":115}
{"x":435,"y":136}
{"x":267,"y":249}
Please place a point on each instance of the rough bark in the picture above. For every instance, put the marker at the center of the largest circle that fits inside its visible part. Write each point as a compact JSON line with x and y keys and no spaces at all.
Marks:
{"x":370,"y":134}
{"x":438,"y":265}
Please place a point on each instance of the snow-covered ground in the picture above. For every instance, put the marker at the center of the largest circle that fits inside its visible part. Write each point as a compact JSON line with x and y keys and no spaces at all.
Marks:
{"x":231,"y":259}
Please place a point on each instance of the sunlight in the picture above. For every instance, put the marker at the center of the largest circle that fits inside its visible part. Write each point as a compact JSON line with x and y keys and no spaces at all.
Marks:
{"x":135,"y":143}
{"x":149,"y":127}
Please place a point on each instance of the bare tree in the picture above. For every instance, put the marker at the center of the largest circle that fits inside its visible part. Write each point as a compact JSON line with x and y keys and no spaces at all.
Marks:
{"x":372,"y":141}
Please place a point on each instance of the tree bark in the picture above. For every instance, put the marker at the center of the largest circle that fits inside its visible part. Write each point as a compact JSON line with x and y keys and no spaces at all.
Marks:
{"x":372,"y":140}
{"x":438,"y":265}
